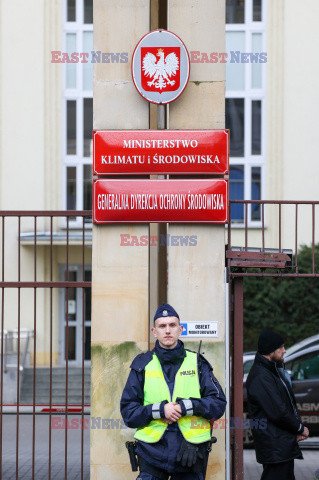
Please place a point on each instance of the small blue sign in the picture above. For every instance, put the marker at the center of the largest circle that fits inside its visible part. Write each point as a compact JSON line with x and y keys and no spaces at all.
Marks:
{"x":184,"y":332}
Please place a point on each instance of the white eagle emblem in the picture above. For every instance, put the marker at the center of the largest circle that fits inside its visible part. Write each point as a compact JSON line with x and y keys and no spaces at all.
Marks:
{"x":165,"y":313}
{"x":160,"y":71}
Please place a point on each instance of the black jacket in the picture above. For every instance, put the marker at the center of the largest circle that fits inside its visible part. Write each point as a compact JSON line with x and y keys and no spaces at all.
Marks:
{"x":212,"y":404}
{"x":271,"y":397}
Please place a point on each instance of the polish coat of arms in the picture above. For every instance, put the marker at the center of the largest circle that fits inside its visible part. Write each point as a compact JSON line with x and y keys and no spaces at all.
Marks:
{"x":160,"y":69}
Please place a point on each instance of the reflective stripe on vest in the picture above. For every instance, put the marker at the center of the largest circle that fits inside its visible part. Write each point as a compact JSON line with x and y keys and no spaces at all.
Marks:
{"x":194,"y":429}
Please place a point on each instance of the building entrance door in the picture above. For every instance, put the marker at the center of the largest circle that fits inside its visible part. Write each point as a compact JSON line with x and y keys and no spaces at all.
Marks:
{"x":75,"y":318}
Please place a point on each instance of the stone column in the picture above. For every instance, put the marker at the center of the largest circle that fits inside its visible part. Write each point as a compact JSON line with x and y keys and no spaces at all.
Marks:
{"x":196,"y":283}
{"x":120,"y":286}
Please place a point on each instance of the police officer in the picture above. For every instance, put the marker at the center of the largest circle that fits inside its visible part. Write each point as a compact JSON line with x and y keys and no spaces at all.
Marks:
{"x":170,"y":397}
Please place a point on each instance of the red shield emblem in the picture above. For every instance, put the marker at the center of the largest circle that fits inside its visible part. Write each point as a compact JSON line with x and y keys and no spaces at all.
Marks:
{"x":160,"y":69}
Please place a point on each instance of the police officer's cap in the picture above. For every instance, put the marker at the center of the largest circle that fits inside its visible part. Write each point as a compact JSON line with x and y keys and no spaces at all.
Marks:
{"x":165,"y":310}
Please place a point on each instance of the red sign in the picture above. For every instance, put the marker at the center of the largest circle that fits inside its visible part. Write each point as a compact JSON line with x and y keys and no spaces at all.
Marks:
{"x":161,"y":152}
{"x":160,"y":69}
{"x":171,"y":201}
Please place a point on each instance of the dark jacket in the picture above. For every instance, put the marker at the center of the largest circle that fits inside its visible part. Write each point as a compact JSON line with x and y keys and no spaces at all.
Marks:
{"x":270,"y":397}
{"x":212,"y":404}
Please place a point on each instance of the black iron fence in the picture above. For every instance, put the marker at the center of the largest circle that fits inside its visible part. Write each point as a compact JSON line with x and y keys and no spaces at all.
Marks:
{"x":45,"y":328}
{"x":33,"y":244}
{"x":282,"y":227}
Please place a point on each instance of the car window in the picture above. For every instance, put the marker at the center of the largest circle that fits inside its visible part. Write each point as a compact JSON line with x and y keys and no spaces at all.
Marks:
{"x":248,"y":365}
{"x":305,"y":367}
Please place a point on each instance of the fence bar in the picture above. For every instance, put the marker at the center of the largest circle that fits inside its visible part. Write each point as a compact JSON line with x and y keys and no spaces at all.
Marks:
{"x":279,"y":206}
{"x":238,"y":467}
{"x":51,"y":248}
{"x":66,"y":380}
{"x":34,"y":378}
{"x":34,"y":347}
{"x":51,"y":346}
{"x":19,"y":250}
{"x":83,"y":248}
{"x":246,"y":226}
{"x":67,"y":350}
{"x":277,"y":274}
{"x":45,"y":284}
{"x":313,"y":239}
{"x":2,"y":331}
{"x":2,"y":248}
{"x":263,"y":226}
{"x":67,"y":249}
{"x":229,"y":227}
{"x":83,"y":346}
{"x":296,"y":238}
{"x":46,"y":213}
{"x":35,"y":249}
{"x":18,"y":390}
{"x":18,"y":353}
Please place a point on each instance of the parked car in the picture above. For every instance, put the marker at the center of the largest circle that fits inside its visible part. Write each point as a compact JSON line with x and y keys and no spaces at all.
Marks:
{"x":307,"y":342}
{"x":303,"y":366}
{"x":249,"y":358}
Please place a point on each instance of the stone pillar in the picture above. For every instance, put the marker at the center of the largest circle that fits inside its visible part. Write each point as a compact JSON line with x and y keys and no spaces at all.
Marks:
{"x":120,"y":276}
{"x":196,"y":274}
{"x":120,"y":280}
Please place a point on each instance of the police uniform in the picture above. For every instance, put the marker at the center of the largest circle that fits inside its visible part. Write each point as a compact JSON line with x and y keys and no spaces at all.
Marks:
{"x":159,"y":377}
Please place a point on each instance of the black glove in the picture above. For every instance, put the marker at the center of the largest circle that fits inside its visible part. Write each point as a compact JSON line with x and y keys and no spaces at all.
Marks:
{"x":188,"y":454}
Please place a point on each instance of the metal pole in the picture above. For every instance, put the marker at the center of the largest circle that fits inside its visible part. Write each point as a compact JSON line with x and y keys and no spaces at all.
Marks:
{"x":161,"y":117}
{"x":227,"y":382}
{"x":238,"y":373}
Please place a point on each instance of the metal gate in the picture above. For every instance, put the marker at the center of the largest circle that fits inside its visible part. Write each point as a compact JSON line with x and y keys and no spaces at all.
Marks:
{"x":44,"y":401}
{"x":49,"y":437}
{"x":289,"y":220}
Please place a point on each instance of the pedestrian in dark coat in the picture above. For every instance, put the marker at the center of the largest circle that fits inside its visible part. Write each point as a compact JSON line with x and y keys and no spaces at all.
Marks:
{"x":270,"y":397}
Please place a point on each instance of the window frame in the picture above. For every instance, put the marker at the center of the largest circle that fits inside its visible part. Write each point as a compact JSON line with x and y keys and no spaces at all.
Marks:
{"x":249,"y":94}
{"x":78,"y":94}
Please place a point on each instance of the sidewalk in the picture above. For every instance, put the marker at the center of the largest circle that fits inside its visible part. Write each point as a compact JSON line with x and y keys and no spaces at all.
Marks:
{"x":304,"y":469}
{"x":42,"y":450}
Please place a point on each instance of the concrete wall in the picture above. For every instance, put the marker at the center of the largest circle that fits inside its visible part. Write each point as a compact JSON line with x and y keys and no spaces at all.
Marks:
{"x":196,"y":276}
{"x":120,"y":327}
{"x":120,"y":288}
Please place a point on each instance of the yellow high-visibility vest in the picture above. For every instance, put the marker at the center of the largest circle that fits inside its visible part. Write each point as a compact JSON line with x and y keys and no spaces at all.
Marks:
{"x":194,"y":429}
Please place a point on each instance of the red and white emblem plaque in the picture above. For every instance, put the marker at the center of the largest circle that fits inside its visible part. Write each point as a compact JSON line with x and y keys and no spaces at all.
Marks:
{"x":160,"y":66}
{"x":160,"y":69}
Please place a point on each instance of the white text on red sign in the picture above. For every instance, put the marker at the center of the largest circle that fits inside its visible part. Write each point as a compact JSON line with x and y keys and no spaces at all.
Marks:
{"x":160,"y":201}
{"x":161,"y":152}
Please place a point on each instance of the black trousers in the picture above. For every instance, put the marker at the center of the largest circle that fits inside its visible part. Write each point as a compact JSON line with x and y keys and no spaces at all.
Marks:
{"x":278,"y":471}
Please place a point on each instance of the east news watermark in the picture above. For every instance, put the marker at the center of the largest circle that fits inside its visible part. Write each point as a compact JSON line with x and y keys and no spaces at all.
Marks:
{"x":234,"y":56}
{"x":162,"y":240}
{"x":99,"y":423}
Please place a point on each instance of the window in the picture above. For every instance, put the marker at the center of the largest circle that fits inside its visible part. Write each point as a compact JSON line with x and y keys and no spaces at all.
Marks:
{"x":245,"y":104}
{"x":78,"y":107}
{"x":305,"y":367}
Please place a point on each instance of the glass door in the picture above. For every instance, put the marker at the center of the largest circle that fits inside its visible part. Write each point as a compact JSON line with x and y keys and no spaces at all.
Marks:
{"x":72,"y":305}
